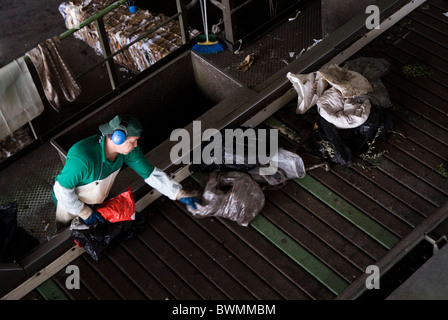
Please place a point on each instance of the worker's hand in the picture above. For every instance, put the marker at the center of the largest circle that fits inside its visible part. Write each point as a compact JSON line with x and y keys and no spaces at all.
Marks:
{"x":190,"y":201}
{"x":95,"y":217}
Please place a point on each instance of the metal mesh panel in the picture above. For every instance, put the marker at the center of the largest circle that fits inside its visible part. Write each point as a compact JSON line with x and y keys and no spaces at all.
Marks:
{"x":28,"y":181}
{"x":273,"y":51}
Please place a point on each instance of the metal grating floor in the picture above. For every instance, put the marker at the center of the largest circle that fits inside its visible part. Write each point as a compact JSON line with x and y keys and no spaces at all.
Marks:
{"x":274,"y":50}
{"x":28,"y":181}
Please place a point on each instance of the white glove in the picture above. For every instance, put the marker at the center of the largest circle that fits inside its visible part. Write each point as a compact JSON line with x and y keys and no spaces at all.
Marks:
{"x":159,"y":180}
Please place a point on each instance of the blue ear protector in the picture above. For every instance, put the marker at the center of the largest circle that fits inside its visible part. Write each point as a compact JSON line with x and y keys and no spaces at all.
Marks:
{"x":119,"y":135}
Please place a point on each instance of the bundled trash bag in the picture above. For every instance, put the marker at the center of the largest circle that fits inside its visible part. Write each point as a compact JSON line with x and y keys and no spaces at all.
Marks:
{"x":94,"y":239}
{"x":119,"y":208}
{"x":15,"y":242}
{"x":352,"y":104}
{"x":231,"y":195}
{"x":339,"y":146}
{"x":234,"y":155}
{"x":121,"y":222}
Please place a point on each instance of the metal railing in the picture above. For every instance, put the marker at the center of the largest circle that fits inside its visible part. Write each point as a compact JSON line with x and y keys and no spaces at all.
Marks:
{"x":102,"y":35}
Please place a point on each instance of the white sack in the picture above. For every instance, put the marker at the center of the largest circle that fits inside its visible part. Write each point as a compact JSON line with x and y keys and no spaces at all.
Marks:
{"x":343,"y":113}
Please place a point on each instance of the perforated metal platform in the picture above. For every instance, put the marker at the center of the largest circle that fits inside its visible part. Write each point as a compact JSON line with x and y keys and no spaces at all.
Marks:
{"x":28,"y":181}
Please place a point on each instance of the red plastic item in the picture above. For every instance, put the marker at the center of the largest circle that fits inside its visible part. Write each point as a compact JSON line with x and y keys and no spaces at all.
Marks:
{"x":120,"y":208}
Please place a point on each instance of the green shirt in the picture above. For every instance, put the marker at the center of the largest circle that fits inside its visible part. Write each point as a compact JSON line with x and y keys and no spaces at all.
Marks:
{"x":86,"y":162}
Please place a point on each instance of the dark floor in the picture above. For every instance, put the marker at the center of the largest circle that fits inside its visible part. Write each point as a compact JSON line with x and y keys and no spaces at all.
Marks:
{"x":316,"y":235}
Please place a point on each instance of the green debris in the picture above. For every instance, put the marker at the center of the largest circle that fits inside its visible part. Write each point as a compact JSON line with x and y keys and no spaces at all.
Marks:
{"x":371,"y":155}
{"x":327,"y":148}
{"x":417,"y":70}
{"x":442,"y":170}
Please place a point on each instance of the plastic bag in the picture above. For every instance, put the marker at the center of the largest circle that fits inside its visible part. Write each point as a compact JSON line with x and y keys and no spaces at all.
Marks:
{"x":15,"y":242}
{"x":304,"y":84}
{"x":350,"y":83}
{"x":236,"y":157}
{"x":343,"y":113}
{"x":341,"y":145}
{"x":345,"y":95}
{"x":119,"y":208}
{"x":231,"y":195}
{"x":372,"y":69}
{"x":94,"y":239}
{"x":290,"y":166}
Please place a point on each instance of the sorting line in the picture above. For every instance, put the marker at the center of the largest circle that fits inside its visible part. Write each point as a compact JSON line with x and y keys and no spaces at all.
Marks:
{"x":299,"y":255}
{"x":335,"y":202}
{"x":295,"y":251}
{"x":49,"y":290}
{"x":348,"y":211}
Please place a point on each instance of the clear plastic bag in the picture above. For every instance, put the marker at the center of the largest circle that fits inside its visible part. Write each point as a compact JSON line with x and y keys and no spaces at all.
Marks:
{"x":290,"y":166}
{"x":231,"y":195}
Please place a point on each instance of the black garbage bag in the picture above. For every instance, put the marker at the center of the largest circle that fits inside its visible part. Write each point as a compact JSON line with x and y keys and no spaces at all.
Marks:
{"x":231,"y":195}
{"x":373,"y":69}
{"x":15,"y":242}
{"x":237,"y":154}
{"x":340,"y":145}
{"x":96,"y":238}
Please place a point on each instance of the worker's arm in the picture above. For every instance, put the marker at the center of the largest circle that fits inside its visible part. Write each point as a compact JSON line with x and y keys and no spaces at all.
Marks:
{"x":170,"y":188}
{"x":70,"y":201}
{"x":72,"y":175}
{"x":158,"y":179}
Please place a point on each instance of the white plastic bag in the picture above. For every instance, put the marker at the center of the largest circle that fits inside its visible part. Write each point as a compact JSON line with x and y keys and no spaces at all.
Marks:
{"x":350,"y":83}
{"x":304,"y":85}
{"x":343,"y":113}
{"x":290,"y":165}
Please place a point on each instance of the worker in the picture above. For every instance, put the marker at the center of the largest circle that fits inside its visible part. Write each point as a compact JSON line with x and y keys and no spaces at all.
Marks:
{"x":93,"y":164}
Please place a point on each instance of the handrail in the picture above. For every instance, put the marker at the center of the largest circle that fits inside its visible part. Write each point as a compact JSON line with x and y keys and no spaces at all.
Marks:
{"x":102,"y":37}
{"x":108,"y":9}
{"x":130,"y":44}
{"x":91,"y":19}
{"x":88,"y":21}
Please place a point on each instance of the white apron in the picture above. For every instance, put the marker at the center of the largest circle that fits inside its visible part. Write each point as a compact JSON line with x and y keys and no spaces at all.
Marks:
{"x":93,"y":193}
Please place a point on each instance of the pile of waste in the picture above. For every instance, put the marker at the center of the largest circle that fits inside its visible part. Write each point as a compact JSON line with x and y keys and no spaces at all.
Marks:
{"x":123,"y":27}
{"x":234,"y":189}
{"x":353,"y":106}
{"x":121,"y":223}
{"x":15,"y":241}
